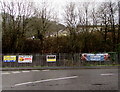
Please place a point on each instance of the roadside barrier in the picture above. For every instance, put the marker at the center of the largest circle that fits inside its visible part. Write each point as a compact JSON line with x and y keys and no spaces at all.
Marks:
{"x":54,"y":59}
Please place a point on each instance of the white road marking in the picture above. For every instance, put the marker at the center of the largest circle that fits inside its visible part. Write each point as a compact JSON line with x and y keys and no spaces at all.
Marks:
{"x":5,"y":73}
{"x":23,"y":83}
{"x":47,"y":80}
{"x":107,"y":74}
{"x":25,"y":71}
{"x":16,"y":72}
{"x":35,"y":70}
{"x":45,"y":70}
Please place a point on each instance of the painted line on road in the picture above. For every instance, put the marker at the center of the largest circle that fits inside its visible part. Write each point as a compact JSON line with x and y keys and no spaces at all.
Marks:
{"x":107,"y":74}
{"x":45,"y":70}
{"x":35,"y":70}
{"x":23,"y":83}
{"x":5,"y":73}
{"x":47,"y":80}
{"x":25,"y":71}
{"x":16,"y":72}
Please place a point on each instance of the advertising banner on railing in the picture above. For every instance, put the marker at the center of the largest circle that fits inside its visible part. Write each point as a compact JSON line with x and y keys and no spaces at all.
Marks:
{"x":25,"y":58}
{"x":9,"y":58}
{"x":51,"y":58}
{"x":95,"y":57}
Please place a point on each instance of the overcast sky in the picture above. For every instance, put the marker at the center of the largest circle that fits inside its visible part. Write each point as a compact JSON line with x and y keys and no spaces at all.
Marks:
{"x":59,"y":5}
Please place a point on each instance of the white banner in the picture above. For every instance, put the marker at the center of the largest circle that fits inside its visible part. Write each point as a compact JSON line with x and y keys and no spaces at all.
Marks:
{"x":25,"y":59}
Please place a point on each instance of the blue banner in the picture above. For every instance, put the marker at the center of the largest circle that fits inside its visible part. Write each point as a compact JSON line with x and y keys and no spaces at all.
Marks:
{"x":95,"y":57}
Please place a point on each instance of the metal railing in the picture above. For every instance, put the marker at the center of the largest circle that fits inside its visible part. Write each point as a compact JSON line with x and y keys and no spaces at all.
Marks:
{"x":62,"y":59}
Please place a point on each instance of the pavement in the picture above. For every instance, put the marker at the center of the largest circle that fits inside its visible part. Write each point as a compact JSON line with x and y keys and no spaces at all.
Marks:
{"x":73,"y":79}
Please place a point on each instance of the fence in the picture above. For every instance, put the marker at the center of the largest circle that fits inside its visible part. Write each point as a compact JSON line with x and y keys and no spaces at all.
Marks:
{"x":62,"y":59}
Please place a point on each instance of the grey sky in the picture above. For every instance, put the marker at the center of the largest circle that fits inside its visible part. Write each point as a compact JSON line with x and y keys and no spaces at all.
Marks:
{"x":59,"y":5}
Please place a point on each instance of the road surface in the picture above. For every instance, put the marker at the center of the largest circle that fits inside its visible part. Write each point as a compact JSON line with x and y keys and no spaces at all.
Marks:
{"x":75,"y":79}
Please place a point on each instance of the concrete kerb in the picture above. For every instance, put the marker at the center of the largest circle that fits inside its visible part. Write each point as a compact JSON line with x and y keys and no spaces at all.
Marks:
{"x":58,"y":68}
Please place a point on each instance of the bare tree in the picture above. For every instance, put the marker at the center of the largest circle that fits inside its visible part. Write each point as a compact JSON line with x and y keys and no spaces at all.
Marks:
{"x":103,"y":19}
{"x":112,"y":11}
{"x":118,"y":38}
{"x":93,"y":15}
{"x":71,"y":20}
{"x":44,"y":13}
{"x":83,"y":13}
{"x":14,"y":15}
{"x":71,"y":16}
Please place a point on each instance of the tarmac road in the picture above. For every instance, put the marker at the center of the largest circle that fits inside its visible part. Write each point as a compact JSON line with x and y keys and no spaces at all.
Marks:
{"x":75,"y":79}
